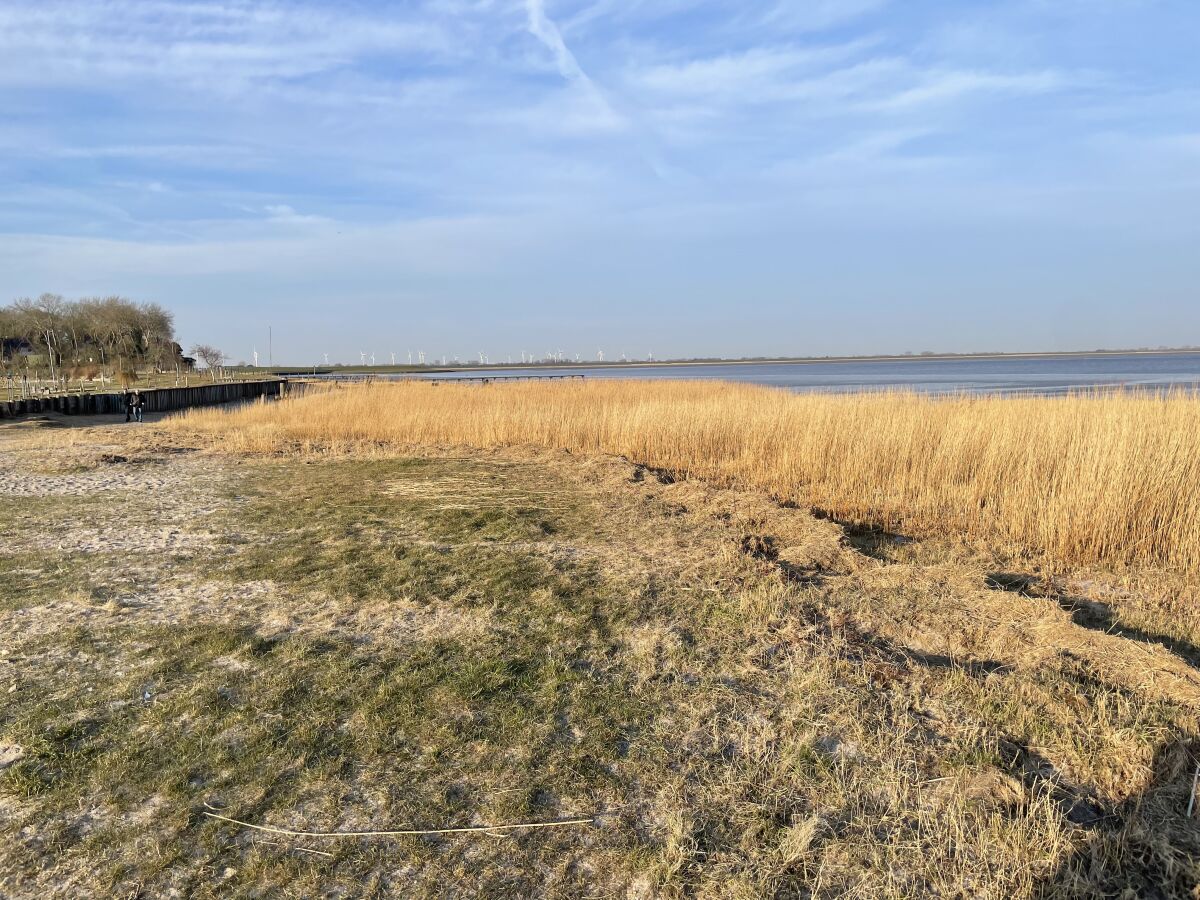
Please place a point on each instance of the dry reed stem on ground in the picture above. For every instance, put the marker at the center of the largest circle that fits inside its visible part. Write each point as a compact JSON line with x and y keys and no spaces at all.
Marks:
{"x":1111,"y":478}
{"x":474,"y":829}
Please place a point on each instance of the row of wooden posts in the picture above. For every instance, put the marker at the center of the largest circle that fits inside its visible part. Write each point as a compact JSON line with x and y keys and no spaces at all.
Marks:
{"x":155,"y":400}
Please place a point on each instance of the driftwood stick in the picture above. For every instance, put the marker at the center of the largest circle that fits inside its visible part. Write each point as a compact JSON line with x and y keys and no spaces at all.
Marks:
{"x":485,"y":829}
{"x":296,"y":849}
{"x":314,"y":852}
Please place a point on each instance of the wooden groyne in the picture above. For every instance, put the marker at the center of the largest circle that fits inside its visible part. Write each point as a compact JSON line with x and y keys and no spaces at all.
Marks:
{"x":156,"y":399}
{"x":488,"y":379}
{"x":372,"y":378}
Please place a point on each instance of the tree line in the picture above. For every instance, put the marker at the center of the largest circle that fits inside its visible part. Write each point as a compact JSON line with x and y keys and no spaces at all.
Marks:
{"x":76,"y":339}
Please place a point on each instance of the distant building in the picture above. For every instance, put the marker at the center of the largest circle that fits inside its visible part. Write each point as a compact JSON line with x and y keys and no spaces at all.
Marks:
{"x":10,"y":348}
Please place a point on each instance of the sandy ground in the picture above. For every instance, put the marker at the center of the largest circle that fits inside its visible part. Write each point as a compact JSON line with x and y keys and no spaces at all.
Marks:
{"x":156,"y":507}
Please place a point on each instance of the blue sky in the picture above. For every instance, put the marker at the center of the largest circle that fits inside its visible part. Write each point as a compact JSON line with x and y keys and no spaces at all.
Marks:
{"x":682,"y":178}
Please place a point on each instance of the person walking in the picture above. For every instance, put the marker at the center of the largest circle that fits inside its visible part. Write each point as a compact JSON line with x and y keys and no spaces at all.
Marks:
{"x":139,"y":403}
{"x":128,"y":406}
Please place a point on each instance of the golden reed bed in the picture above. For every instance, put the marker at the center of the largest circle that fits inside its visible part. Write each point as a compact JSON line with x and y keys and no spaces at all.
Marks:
{"x":1099,"y":478}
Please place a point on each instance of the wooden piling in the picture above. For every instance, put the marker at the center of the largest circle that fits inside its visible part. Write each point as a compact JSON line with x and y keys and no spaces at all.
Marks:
{"x":156,"y":399}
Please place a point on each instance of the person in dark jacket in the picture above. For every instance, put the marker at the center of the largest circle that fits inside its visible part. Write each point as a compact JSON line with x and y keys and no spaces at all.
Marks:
{"x":128,"y":406}
{"x":139,"y":403}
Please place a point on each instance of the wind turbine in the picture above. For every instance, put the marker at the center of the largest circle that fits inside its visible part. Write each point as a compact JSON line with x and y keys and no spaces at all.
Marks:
{"x":600,"y":355}
{"x":255,"y":352}
{"x":393,"y":359}
{"x":362,"y":357}
{"x":326,"y":355}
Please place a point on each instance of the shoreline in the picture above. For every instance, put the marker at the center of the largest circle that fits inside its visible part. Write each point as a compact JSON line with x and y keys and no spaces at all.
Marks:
{"x":765,"y":361}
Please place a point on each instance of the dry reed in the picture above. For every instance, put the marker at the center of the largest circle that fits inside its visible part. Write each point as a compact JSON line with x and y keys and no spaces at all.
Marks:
{"x":493,"y":830}
{"x":1110,"y":478}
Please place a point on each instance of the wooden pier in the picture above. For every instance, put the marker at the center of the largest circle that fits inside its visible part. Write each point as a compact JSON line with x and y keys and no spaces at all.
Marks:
{"x":486,"y":379}
{"x":372,"y":378}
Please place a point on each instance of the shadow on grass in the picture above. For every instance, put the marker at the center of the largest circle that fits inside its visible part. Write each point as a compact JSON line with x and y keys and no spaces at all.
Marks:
{"x":872,"y":648}
{"x":1091,"y":614}
{"x":1148,"y":847}
{"x":1076,"y":804}
{"x":867,"y":538}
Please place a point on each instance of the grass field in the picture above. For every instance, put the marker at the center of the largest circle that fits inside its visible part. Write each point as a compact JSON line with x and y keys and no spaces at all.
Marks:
{"x":393,"y":630}
{"x":1112,"y":478}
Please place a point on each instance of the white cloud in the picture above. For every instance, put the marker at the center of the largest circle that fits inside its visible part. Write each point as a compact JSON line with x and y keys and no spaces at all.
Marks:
{"x":816,"y":15}
{"x":947,"y":85}
{"x":766,"y":75}
{"x":726,"y":17}
{"x":427,"y":247}
{"x":760,"y":73}
{"x":230,"y":155}
{"x":283,"y":214}
{"x":207,"y":45}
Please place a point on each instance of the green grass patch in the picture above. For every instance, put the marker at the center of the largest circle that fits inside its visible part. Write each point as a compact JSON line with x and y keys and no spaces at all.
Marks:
{"x":451,"y":500}
{"x":30,"y":579}
{"x":431,"y":734}
{"x":361,"y":533}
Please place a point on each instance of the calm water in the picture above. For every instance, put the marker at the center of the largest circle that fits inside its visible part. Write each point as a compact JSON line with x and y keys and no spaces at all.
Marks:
{"x":1007,"y":376}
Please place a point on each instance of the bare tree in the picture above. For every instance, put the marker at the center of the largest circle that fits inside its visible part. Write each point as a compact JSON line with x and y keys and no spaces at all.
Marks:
{"x":158,"y":329}
{"x":108,"y":332}
{"x":210,"y":356}
{"x":45,"y":318}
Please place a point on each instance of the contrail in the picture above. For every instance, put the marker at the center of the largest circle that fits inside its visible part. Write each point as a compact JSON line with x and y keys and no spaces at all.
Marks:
{"x":543,"y":28}
{"x":547,"y":32}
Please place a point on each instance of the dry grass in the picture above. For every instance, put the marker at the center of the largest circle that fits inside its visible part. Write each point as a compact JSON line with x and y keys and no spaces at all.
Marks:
{"x":1106,"y":478}
{"x":750,"y":701}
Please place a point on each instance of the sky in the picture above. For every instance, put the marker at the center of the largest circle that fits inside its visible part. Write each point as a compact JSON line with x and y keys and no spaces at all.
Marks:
{"x":706,"y":178}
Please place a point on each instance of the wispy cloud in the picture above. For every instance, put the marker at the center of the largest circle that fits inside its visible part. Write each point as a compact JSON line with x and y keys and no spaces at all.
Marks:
{"x":948,"y":85}
{"x":845,"y":74}
{"x":817,"y":15}
{"x":212,"y":45}
{"x":759,"y":74}
{"x":722,"y":17}
{"x":282,"y":213}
